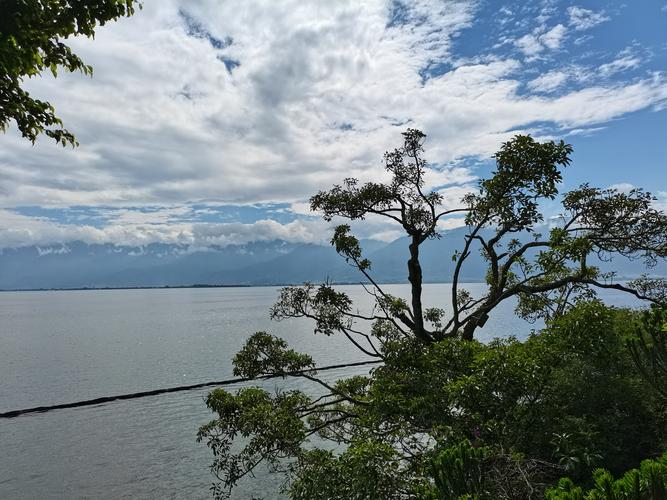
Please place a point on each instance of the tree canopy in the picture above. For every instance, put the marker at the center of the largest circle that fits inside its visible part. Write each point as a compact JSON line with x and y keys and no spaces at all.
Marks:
{"x":442,"y":415}
{"x":33,"y":35}
{"x":545,"y":265}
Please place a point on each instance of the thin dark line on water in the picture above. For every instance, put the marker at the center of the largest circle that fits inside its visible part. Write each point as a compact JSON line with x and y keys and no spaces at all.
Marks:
{"x":156,"y":392}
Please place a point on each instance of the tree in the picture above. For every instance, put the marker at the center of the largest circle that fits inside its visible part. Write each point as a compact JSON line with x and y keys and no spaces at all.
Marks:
{"x":435,"y":386}
{"x":594,"y":222}
{"x":33,"y":36}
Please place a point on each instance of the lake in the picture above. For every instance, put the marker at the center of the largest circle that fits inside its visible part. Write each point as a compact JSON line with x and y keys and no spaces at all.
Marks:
{"x":64,"y":346}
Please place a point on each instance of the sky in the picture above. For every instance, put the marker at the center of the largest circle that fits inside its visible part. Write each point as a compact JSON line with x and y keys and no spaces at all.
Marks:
{"x":211,"y":122}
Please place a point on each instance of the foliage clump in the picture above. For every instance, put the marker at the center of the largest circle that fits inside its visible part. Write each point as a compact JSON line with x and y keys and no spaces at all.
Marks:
{"x":648,"y":482}
{"x":33,"y":35}
{"x":456,"y":415}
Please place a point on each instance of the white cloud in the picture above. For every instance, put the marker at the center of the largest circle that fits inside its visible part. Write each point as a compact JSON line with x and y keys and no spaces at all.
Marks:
{"x":661,"y":199}
{"x":318,"y":95}
{"x":19,"y":230}
{"x":529,"y":44}
{"x":623,"y":63}
{"x":548,"y":82}
{"x":263,"y":132}
{"x":387,"y":235}
{"x":301,"y":208}
{"x":451,"y":223}
{"x":583,"y":19}
{"x":541,"y":38}
{"x":138,"y":229}
{"x":582,"y":39}
{"x":64,"y":249}
{"x":585,"y":132}
{"x":553,"y":38}
{"x":298,"y":231}
{"x":623,"y":187}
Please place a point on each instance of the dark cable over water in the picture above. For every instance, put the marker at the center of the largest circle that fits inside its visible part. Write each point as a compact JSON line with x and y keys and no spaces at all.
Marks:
{"x":136,"y":395}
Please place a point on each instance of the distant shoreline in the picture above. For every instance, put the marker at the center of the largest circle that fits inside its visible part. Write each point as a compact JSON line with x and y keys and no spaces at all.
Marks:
{"x":264,"y":285}
{"x":94,"y":288}
{"x":168,"y":287}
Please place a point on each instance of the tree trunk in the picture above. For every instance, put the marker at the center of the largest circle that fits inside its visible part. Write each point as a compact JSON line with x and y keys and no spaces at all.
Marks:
{"x":477,"y":320}
{"x":415,"y":278}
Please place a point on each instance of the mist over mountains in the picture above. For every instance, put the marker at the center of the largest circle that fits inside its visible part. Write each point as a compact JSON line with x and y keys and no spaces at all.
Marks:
{"x":82,"y":265}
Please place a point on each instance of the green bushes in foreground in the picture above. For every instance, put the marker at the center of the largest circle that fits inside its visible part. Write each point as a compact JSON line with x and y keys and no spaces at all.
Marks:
{"x":455,"y":418}
{"x":648,"y":482}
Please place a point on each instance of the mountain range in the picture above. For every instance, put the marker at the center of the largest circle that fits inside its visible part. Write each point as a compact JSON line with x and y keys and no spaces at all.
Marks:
{"x":82,"y":265}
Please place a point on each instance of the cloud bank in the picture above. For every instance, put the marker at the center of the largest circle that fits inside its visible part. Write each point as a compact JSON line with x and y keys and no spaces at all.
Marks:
{"x":252,"y":102}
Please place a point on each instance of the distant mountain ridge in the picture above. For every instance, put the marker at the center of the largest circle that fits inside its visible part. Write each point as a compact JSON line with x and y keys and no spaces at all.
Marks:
{"x":81,"y":265}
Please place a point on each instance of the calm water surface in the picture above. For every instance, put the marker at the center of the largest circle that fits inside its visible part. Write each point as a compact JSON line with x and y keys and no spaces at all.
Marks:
{"x":65,"y":346}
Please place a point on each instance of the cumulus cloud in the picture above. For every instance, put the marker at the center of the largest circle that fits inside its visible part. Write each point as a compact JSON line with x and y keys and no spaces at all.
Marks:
{"x":254,"y":102}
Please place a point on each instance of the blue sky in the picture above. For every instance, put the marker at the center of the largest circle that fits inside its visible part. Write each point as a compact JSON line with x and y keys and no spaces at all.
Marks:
{"x":212,"y":122}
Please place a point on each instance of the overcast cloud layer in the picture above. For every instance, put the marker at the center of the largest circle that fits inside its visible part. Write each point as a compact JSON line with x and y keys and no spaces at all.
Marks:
{"x":208,"y":102}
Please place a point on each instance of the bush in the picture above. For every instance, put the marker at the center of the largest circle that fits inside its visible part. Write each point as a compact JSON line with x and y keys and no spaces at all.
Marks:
{"x":648,"y":482}
{"x":455,"y":417}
